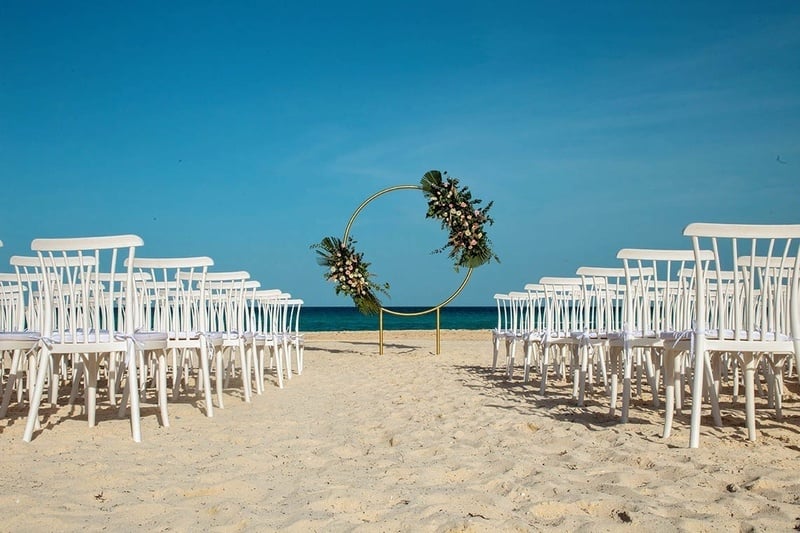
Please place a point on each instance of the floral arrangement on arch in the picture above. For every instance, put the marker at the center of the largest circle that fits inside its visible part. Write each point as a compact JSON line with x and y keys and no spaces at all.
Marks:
{"x":462,"y":216}
{"x":459,"y":213}
{"x":348,"y":270}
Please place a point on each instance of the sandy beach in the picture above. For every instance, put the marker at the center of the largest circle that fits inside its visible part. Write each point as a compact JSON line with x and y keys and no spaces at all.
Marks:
{"x":406,"y":441}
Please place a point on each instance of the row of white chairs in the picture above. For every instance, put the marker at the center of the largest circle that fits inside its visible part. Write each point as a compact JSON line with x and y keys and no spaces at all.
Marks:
{"x":86,"y":306}
{"x":727,"y":307}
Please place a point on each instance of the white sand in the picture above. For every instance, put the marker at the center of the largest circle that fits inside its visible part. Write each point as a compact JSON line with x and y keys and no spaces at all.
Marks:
{"x":407,"y":441}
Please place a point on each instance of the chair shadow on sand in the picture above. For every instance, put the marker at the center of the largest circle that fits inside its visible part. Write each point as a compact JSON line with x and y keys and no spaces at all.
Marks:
{"x":559,"y":405}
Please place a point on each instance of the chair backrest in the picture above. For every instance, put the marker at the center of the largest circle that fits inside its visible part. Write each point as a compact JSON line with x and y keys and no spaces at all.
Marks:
{"x":603,"y":296}
{"x":521,"y":317}
{"x":173,"y":293}
{"x":75,"y":298}
{"x":762,"y":297}
{"x":772,"y":294}
{"x":226,"y":301}
{"x":12,"y":303}
{"x":660,"y":288}
{"x":502,"y":302}
{"x":293,"y":308}
{"x":537,"y":306}
{"x":563,"y":303}
{"x":27,"y":269}
{"x":269,"y":311}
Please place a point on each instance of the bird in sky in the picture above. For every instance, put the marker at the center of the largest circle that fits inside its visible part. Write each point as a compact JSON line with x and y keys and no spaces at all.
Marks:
{"x":781,"y":161}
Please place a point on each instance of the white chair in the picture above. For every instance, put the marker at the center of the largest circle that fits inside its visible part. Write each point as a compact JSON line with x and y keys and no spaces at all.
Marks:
{"x":599,"y":318}
{"x":533,"y":342}
{"x":511,"y":326}
{"x":23,"y":365}
{"x":499,"y":333}
{"x":79,"y":317}
{"x":657,"y":310}
{"x":152,"y":345}
{"x":295,"y":339}
{"x":19,"y":339}
{"x":268,"y":309}
{"x":758,"y":318}
{"x":563,"y":299}
{"x":226,"y":319}
{"x":571,"y":331}
{"x":176,"y":296}
{"x":249,"y":335}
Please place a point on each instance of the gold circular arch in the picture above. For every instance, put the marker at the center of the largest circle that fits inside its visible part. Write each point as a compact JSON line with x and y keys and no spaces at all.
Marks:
{"x":436,"y":308}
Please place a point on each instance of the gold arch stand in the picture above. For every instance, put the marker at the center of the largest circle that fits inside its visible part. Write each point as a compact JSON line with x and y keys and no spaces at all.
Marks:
{"x":436,"y":308}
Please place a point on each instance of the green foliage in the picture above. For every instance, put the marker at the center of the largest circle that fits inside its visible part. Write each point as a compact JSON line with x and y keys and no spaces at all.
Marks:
{"x":348,"y":270}
{"x":462,"y":216}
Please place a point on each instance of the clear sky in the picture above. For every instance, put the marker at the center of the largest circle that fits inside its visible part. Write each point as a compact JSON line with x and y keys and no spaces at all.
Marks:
{"x":247,"y":131}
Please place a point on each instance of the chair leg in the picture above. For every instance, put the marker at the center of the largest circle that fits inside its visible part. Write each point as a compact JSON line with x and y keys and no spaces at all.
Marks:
{"x":750,"y":365}
{"x":90,"y":362}
{"x":178,"y":367}
{"x":777,"y":372}
{"x":261,"y":363}
{"x":38,"y":390}
{"x":219,"y":359}
{"x":582,"y":374}
{"x":245,"y":371}
{"x":276,"y":350}
{"x":55,"y":379}
{"x":528,"y":348}
{"x":162,"y":388}
{"x":495,"y":350}
{"x":14,"y":380}
{"x":627,"y":369}
{"x":133,"y":387}
{"x":204,"y":370}
{"x":672,"y":382}
{"x":697,"y":395}
{"x":543,"y":364}
{"x":613,"y":392}
{"x":299,"y":349}
{"x":78,"y":373}
{"x":651,"y":376}
{"x":713,"y":384}
{"x":601,"y":350}
{"x":511,"y":347}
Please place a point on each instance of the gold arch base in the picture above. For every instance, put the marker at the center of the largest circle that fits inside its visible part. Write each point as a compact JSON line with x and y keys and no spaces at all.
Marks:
{"x":436,"y":308}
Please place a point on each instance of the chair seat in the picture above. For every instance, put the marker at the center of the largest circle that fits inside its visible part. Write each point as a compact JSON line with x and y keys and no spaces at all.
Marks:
{"x":621,"y":335}
{"x":588,"y":335}
{"x":83,"y":337}
{"x":151,"y":340}
{"x":266,"y":337}
{"x":727,"y":335}
{"x":18,"y":336}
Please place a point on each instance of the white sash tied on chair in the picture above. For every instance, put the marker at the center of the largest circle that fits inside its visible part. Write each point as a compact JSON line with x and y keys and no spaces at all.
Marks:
{"x":545,"y":340}
{"x":627,"y":337}
{"x":209,"y":343}
{"x":131,"y":339}
{"x":584,"y":340}
{"x":46,"y":341}
{"x":692,"y":334}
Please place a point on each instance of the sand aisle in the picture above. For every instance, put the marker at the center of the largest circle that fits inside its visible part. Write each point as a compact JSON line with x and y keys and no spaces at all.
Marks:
{"x":408,"y":441}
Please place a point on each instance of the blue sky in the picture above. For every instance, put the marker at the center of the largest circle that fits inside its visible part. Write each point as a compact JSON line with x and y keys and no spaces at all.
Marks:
{"x":247,"y":131}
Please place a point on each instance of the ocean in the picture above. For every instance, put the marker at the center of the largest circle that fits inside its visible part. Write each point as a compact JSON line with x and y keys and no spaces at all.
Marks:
{"x":349,"y":319}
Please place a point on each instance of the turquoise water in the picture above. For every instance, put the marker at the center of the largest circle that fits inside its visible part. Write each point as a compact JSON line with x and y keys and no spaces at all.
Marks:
{"x":349,"y":319}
